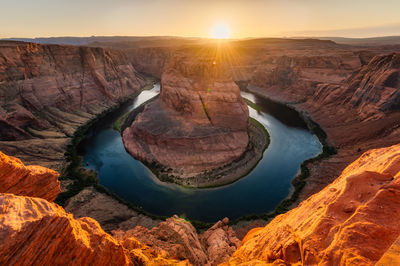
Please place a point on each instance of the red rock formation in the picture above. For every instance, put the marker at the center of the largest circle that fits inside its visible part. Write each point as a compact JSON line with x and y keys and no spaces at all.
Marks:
{"x":179,"y":239}
{"x":376,"y":87}
{"x":220,"y":242}
{"x":33,"y":181}
{"x":199,"y":123}
{"x":36,"y":232}
{"x":352,"y":221}
{"x":48,"y":91}
{"x":358,"y":113}
{"x":298,"y":75}
{"x":150,"y":60}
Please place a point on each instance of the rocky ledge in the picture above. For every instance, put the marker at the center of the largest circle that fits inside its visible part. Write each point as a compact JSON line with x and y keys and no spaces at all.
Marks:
{"x":34,"y":181}
{"x":198,"y":128}
{"x":353,"y":221}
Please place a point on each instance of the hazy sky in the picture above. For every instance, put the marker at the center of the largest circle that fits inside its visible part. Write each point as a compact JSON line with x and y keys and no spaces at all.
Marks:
{"x":246,"y":18}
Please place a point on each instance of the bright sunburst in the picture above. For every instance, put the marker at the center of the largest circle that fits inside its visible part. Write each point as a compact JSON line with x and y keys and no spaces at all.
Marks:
{"x":220,"y":31}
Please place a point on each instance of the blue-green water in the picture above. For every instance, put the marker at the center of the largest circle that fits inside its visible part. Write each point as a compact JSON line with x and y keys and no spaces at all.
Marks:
{"x":258,"y":192}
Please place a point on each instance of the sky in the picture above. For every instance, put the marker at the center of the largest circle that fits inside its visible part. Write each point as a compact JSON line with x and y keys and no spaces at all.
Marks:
{"x":197,"y":18}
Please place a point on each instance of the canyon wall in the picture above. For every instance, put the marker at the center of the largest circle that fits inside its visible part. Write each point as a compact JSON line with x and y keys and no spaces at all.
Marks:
{"x":198,"y":123}
{"x":358,"y":113}
{"x":48,"y":91}
{"x":354,"y":220}
{"x":36,"y":231}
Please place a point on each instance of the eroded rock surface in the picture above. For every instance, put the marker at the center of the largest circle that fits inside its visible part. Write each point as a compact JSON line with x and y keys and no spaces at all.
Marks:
{"x":48,"y":91}
{"x":179,"y":239}
{"x":352,"y":221}
{"x":358,"y":112}
{"x":199,"y":123}
{"x":106,"y":210}
{"x":33,"y":180}
{"x":37,"y":232}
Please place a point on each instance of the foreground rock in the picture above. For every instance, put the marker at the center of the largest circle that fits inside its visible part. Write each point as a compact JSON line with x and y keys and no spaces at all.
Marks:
{"x":352,"y":221}
{"x":179,"y":239}
{"x":48,"y":91}
{"x":198,"y":124}
{"x":37,"y":232}
{"x":106,"y":210}
{"x":33,"y":181}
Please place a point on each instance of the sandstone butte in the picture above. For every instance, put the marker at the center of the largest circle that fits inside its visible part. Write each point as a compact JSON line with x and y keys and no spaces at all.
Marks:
{"x":199,"y":122}
{"x":353,"y":221}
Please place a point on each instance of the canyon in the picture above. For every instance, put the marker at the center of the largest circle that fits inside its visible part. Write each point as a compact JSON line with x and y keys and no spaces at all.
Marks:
{"x":48,"y":91}
{"x":197,"y":126}
{"x":353,"y":220}
{"x":346,"y":213}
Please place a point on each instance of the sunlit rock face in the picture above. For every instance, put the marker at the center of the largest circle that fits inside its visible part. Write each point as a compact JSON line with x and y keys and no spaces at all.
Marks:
{"x":353,"y":221}
{"x":198,"y":123}
{"x":37,"y":232}
{"x":179,"y":239}
{"x":376,"y":87}
{"x":34,"y":181}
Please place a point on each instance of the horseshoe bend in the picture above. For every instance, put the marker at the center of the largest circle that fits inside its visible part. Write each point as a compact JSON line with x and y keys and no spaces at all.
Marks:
{"x":214,"y":149}
{"x":197,"y":126}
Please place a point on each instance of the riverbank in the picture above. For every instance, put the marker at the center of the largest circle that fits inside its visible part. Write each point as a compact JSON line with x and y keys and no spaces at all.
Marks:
{"x":74,"y":177}
{"x":114,"y":218}
{"x":258,"y":143}
{"x":299,"y":181}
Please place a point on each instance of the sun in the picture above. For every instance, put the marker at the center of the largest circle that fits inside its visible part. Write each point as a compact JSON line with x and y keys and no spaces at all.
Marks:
{"x":220,"y":31}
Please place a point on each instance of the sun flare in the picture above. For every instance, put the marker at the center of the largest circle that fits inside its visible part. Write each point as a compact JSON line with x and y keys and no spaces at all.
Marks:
{"x":220,"y":31}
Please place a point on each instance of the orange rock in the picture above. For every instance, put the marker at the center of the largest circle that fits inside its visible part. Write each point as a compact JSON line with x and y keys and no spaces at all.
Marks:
{"x":36,"y":232}
{"x":177,"y":238}
{"x":33,"y":181}
{"x":220,"y":242}
{"x":352,"y":221}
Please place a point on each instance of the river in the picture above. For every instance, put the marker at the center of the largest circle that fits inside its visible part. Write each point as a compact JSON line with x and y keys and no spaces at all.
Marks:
{"x":259,"y":192}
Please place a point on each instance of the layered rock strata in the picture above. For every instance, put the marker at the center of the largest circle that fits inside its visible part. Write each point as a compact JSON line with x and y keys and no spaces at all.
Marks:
{"x":353,"y":221}
{"x":358,"y":113}
{"x":37,"y":232}
{"x":33,"y":181}
{"x":48,"y":91}
{"x":198,"y":124}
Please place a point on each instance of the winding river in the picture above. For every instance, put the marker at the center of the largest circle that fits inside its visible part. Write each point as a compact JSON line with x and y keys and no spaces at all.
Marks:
{"x":259,"y":192}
